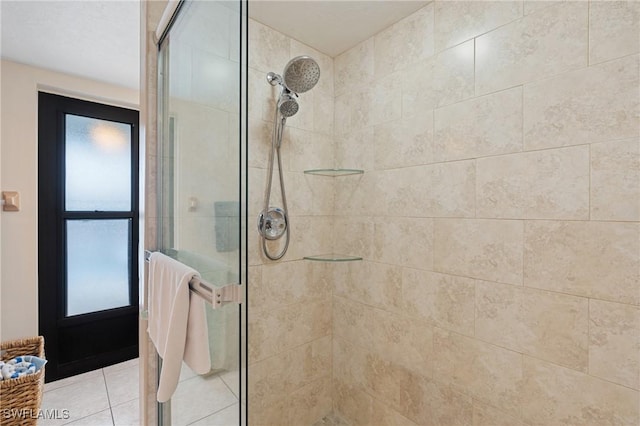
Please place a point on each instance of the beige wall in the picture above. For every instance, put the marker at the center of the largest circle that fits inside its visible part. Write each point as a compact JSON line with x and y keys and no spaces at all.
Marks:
{"x":498,"y":217}
{"x":289,"y":300}
{"x":20,"y":86}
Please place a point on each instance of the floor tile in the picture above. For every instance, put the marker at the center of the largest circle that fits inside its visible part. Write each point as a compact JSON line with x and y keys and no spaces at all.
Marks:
{"x":122,"y":384}
{"x":121,"y":366}
{"x":225,"y":417}
{"x":127,"y":414}
{"x":103,"y":418}
{"x":199,"y":397}
{"x":186,"y":373}
{"x":73,"y":379}
{"x":232,"y":380}
{"x":81,"y":399}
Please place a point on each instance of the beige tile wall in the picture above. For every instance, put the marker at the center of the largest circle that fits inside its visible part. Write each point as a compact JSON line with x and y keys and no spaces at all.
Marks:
{"x":290,"y":315}
{"x":498,"y":217}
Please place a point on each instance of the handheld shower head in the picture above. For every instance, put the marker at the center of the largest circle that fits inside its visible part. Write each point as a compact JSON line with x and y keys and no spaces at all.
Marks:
{"x":301,"y":74}
{"x":287,"y":105}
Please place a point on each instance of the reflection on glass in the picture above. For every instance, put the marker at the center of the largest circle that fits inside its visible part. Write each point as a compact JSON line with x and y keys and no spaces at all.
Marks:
{"x":200,"y":122}
{"x":98,"y":164}
{"x":97,"y":265}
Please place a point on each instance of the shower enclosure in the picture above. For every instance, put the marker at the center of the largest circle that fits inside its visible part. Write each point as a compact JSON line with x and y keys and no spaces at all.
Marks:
{"x":462,"y":201}
{"x":201,"y":191}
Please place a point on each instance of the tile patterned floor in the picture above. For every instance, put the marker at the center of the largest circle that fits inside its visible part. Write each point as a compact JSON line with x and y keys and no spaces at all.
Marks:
{"x":104,"y":397}
{"x":109,"y":397}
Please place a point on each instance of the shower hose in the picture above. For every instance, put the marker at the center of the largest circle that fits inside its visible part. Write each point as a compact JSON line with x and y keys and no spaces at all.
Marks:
{"x":276,"y":141}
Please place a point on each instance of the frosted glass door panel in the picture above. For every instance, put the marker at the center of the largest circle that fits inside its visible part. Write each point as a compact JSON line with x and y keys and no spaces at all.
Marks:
{"x":97,"y":265}
{"x":98,"y":164}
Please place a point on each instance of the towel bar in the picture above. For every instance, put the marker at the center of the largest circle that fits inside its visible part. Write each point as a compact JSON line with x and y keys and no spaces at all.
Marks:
{"x":213,"y":295}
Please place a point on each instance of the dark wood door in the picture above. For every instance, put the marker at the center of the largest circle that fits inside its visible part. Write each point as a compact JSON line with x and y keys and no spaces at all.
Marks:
{"x":87,"y":234}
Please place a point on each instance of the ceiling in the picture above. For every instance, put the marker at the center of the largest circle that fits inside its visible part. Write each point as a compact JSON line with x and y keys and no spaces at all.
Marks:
{"x":331,"y":26}
{"x":94,"y":39}
{"x":99,"y":39}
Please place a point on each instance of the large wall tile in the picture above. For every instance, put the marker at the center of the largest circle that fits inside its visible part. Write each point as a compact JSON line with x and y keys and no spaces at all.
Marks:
{"x":274,"y":331}
{"x":342,"y":114}
{"x":487,"y":372}
{"x":353,"y":150}
{"x":558,"y":395}
{"x":531,"y":6}
{"x":406,"y":342}
{"x":593,"y":259}
{"x":310,"y":235}
{"x":349,"y":323}
{"x":352,"y":402}
{"x":259,"y":143}
{"x":276,"y":376}
{"x":458,"y":21}
{"x":353,"y":236}
{"x":438,"y":190}
{"x":595,"y":104}
{"x":614,"y":342}
{"x":261,"y":104}
{"x":323,"y":114}
{"x":361,"y":106}
{"x":549,"y":184}
{"x":537,"y":46}
{"x":615,"y":180}
{"x":419,"y":399}
{"x":269,"y":380}
{"x":269,"y":48}
{"x":440,"y":80}
{"x":271,"y":414}
{"x":479,"y":127}
{"x":311,"y":403}
{"x":485,"y":249}
{"x":405,"y":42}
{"x":357,"y":195}
{"x":364,"y":330}
{"x":406,"y":142}
{"x":354,"y":67}
{"x":349,"y":361}
{"x":299,"y":192}
{"x":375,"y":284}
{"x":307,"y":150}
{"x":287,"y":283}
{"x":404,"y":241}
{"x":445,"y":300}
{"x":485,"y":415}
{"x":614,"y":28}
{"x":386,"y":101}
{"x":386,"y":416}
{"x":546,"y":325}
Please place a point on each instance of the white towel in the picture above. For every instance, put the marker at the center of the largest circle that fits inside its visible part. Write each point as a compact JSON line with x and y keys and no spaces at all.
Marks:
{"x":177,"y":322}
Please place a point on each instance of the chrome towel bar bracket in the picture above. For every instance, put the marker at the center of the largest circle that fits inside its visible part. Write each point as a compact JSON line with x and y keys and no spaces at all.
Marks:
{"x":213,"y":295}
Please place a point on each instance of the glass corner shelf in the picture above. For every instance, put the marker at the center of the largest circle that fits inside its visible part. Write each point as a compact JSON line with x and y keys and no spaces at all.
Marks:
{"x":332,"y":257}
{"x":334,"y":172}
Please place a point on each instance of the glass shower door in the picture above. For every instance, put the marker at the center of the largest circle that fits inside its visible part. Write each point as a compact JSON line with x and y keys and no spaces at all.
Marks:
{"x":201,"y":196}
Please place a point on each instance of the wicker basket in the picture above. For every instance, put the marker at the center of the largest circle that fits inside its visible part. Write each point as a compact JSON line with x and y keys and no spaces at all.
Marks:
{"x":20,"y":398}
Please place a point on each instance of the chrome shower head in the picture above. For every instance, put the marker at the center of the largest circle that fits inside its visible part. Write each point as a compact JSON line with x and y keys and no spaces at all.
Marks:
{"x":301,"y":74}
{"x":287,"y":105}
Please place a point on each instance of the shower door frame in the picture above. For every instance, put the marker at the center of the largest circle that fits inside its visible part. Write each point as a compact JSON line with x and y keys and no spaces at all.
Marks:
{"x":171,"y":12}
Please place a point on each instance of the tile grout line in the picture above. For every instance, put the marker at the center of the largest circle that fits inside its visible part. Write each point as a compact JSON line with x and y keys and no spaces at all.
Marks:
{"x":104,"y":378}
